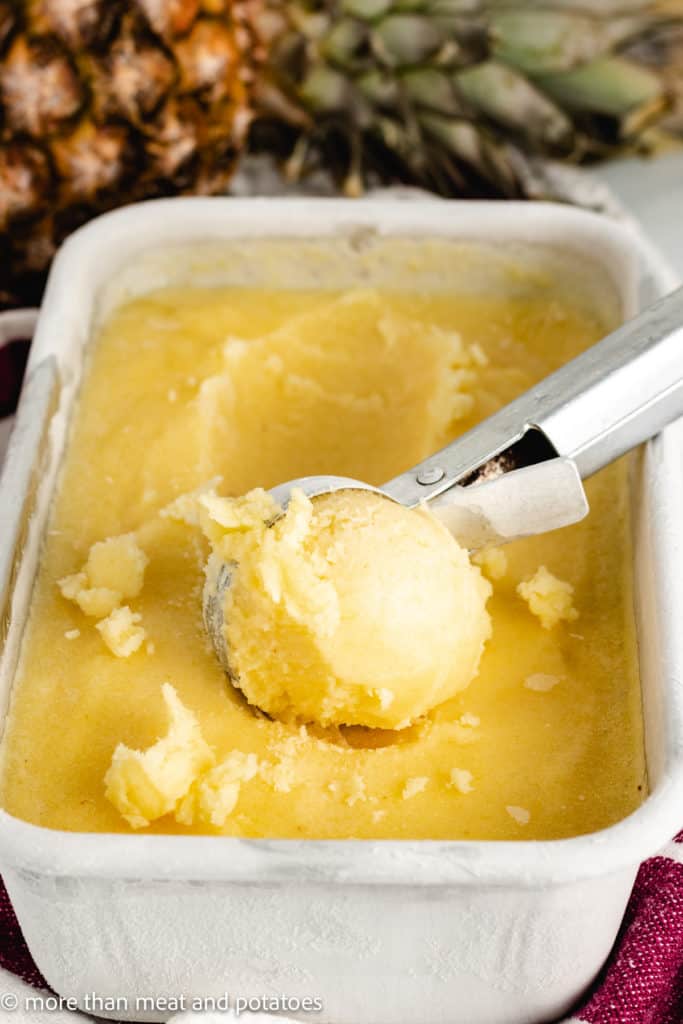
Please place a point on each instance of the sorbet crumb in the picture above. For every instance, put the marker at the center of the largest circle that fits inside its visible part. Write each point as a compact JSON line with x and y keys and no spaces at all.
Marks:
{"x":283,"y":775}
{"x":121,"y":631}
{"x":414,"y":786}
{"x":469,"y":719}
{"x":357,"y":790}
{"x":541,"y":682}
{"x":548,"y":597}
{"x":461,"y":780}
{"x":493,"y":562}
{"x":519,"y":814}
{"x":72,"y":634}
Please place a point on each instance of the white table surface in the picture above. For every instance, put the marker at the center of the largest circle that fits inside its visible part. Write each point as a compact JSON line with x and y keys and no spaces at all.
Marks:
{"x":652,"y":190}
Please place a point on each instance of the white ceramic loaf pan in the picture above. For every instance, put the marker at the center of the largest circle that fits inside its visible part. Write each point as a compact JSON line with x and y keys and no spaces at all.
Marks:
{"x":382,"y":932}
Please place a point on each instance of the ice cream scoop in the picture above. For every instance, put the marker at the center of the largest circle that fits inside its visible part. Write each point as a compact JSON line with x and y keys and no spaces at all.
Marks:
{"x":517,"y":473}
{"x":346,"y":610}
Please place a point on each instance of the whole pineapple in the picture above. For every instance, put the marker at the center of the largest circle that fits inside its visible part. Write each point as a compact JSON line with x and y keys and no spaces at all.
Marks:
{"x":107,"y":101}
{"x":104,"y":102}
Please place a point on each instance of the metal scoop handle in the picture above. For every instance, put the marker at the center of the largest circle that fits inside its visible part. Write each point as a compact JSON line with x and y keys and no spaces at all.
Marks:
{"x":611,"y":398}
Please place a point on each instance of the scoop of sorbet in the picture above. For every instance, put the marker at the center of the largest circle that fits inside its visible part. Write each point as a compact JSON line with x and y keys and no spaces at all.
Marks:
{"x":347,"y":609}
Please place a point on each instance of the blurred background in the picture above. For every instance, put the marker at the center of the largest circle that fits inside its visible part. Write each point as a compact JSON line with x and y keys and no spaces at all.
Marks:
{"x":105,"y":102}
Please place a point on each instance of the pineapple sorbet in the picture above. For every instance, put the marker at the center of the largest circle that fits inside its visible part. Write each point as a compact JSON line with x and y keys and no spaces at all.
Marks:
{"x":346,"y":610}
{"x":384,"y":718}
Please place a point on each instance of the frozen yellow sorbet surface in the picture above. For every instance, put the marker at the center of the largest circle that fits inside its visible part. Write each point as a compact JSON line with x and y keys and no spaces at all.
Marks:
{"x":345,"y":610}
{"x":194,"y":393}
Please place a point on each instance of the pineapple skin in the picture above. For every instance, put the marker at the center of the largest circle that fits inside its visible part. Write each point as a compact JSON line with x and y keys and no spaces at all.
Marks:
{"x":105,"y":102}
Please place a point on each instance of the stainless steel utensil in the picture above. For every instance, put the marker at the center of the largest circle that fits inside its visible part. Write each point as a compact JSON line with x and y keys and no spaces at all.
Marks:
{"x":611,"y":398}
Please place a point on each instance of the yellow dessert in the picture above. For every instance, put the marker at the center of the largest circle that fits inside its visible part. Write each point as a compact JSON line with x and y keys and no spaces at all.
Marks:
{"x":115,"y":569}
{"x":121,"y":631}
{"x":146,"y":785}
{"x":193,"y":396}
{"x":345,"y":610}
{"x":549,"y":598}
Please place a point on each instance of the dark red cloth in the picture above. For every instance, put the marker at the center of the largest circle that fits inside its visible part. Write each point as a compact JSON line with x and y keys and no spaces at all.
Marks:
{"x":13,"y":356}
{"x":14,"y":954}
{"x":642,"y":982}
